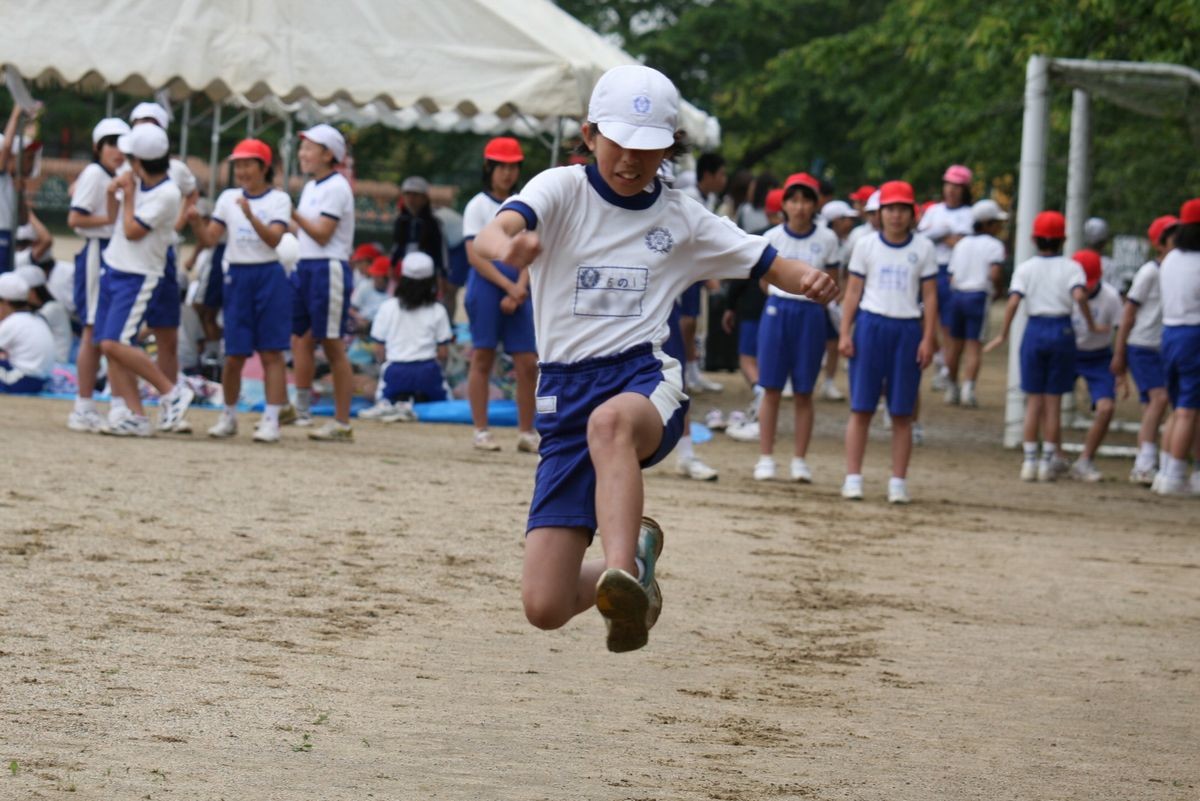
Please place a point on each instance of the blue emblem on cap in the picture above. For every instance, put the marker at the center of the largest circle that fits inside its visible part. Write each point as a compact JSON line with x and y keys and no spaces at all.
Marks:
{"x":641,"y":104}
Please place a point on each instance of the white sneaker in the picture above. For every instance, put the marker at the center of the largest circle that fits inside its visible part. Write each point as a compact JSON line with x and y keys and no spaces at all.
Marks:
{"x":528,"y":442}
{"x":484,"y":441}
{"x":225,"y":427}
{"x":303,"y":418}
{"x":715,"y":420}
{"x":1029,"y":470}
{"x":379,"y":411}
{"x":830,"y":392}
{"x":173,"y":406}
{"x":764,"y":469}
{"x":333,"y":431}
{"x":852,"y":490}
{"x":182,"y":426}
{"x":898,"y":493}
{"x":693,"y":468}
{"x":800,"y":471}
{"x":1164,"y":485}
{"x":127,"y":424}
{"x":918,"y":434}
{"x":968,"y":398}
{"x":746,"y":432}
{"x":266,"y":431}
{"x":401,"y":412}
{"x":941,"y":379}
{"x":1052,"y":469}
{"x":1143,"y":477}
{"x":953,"y":395}
{"x":1081,"y":471}
{"x":699,"y":383}
{"x":89,"y":421}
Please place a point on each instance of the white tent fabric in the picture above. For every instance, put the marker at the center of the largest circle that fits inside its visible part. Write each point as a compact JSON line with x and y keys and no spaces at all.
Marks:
{"x":498,"y":57}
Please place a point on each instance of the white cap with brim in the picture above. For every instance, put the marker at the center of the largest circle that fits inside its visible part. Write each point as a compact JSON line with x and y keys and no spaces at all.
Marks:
{"x":417,"y":266}
{"x":32,"y":275}
{"x":415,"y":184}
{"x":109,"y":126}
{"x":987,"y":210}
{"x":329,"y":138}
{"x":145,"y":142}
{"x":26,"y":233}
{"x":637,"y":107}
{"x":150,"y":111}
{"x":837,"y":210}
{"x":872,"y":202}
{"x":13,"y":287}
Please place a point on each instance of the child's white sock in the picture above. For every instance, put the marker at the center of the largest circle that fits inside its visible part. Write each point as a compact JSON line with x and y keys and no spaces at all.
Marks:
{"x":968,"y":387}
{"x":303,"y":399}
{"x":1147,"y":456}
{"x":684,"y":449}
{"x":117,"y":402}
{"x":85,"y":405}
{"x":229,"y":413}
{"x":271,"y":413}
{"x":1030,"y":449}
{"x":1176,"y":469}
{"x":895,"y":483}
{"x":854,"y":480}
{"x":1083,"y":462}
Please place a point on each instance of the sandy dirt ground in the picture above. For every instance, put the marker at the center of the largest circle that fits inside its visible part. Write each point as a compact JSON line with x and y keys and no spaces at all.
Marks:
{"x":189,"y":619}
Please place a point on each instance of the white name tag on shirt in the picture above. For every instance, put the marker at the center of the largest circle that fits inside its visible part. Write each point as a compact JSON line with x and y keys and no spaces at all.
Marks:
{"x":610,"y":291}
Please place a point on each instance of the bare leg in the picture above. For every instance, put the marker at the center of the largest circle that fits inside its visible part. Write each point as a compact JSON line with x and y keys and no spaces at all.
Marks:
{"x":768,"y":420}
{"x":749,"y":367}
{"x":856,"y":441}
{"x":343,"y":378}
{"x":87,"y":363}
{"x":1100,"y":422}
{"x":1152,"y":416}
{"x":1033,"y":416}
{"x":901,"y":445}
{"x":479,"y":382}
{"x":137,"y":362}
{"x":687,"y":328}
{"x":526,"y":369}
{"x":1182,"y":432}
{"x":974,"y":353}
{"x":123,"y":384}
{"x":304,"y":364}
{"x":831,"y":358}
{"x":231,"y":380}
{"x":1052,"y":421}
{"x":556,"y":584}
{"x":622,"y":431}
{"x":804,"y":422}
{"x":167,"y":357}
{"x":449,"y":293}
{"x":274,"y":376}
{"x":953,"y":351}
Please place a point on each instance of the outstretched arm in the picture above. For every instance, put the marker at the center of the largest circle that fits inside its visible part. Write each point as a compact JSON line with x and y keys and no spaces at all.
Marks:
{"x":505,"y":239}
{"x":1010,"y":311}
{"x":801,"y":278}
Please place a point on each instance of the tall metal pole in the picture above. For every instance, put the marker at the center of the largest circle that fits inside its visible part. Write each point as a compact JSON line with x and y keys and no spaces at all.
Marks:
{"x":108,"y":104}
{"x":183,"y":128}
{"x":212,"y":156}
{"x":1079,"y":177}
{"x":285,"y":151}
{"x":1030,"y":198}
{"x":557,"y":145}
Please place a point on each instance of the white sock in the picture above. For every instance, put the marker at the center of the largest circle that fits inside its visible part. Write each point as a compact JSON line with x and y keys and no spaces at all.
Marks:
{"x":229,"y":413}
{"x":117,"y":402}
{"x":684,"y":449}
{"x":1030,"y":449}
{"x":1083,"y":462}
{"x":1163,"y":458}
{"x":271,"y":413}
{"x":854,"y":479}
{"x":303,"y":399}
{"x":1176,"y":469}
{"x":897,"y":483}
{"x":85,"y":405}
{"x":766,"y":458}
{"x":968,"y":387}
{"x":1147,"y":456}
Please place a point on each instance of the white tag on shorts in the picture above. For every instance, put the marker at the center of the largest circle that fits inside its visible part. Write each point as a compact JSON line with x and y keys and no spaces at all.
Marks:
{"x":610,"y":291}
{"x":547,"y":404}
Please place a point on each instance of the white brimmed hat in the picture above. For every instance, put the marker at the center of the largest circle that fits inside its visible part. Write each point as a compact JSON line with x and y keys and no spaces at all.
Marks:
{"x":987,"y":210}
{"x":13,"y":287}
{"x":417,"y":265}
{"x":637,"y":107}
{"x":145,"y":142}
{"x":32,"y":275}
{"x":329,"y":138}
{"x":415,"y":184}
{"x":150,"y":111}
{"x":872,"y":202}
{"x":109,"y":126}
{"x":837,"y":210}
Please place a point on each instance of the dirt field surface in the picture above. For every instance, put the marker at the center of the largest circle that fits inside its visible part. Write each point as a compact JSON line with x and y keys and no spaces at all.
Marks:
{"x":184,"y":618}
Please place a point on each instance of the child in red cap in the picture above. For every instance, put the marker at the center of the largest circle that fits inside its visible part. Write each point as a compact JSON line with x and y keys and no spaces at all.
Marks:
{"x":1093,"y":358}
{"x":1050,"y":284}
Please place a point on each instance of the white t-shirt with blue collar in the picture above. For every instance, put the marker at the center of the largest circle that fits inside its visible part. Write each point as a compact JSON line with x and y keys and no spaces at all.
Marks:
{"x":892,"y":274}
{"x":155,"y":208}
{"x":611,"y":266}
{"x":818,"y":247}
{"x":243,"y":244}
{"x":332,"y":198}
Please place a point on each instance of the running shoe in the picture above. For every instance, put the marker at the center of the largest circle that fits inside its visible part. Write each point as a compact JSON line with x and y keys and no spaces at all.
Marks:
{"x":649,"y":548}
{"x":764,"y":469}
{"x":89,"y":421}
{"x":800,"y":471}
{"x":691,"y":467}
{"x":267,"y":431}
{"x":484,"y":441}
{"x":333,"y":431}
{"x":625,"y":605}
{"x":225,"y":427}
{"x":528,"y":442}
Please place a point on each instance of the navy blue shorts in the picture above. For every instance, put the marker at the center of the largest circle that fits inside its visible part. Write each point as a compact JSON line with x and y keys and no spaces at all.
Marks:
{"x":459,"y":268}
{"x":322,"y":298}
{"x":6,"y":251}
{"x":214,"y":290}
{"x":968,"y":310}
{"x":1181,"y":358}
{"x":748,"y":338}
{"x":121,"y":309}
{"x":489,"y":325}
{"x":689,"y":301}
{"x":1146,"y":364}
{"x":564,"y":493}
{"x":420,"y":381}
{"x":1093,"y":367}
{"x":943,"y":294}
{"x":165,"y":306}
{"x":791,"y":343}
{"x":14,"y":382}
{"x":257,"y":308}
{"x":1048,"y":356}
{"x":88,"y":266}
{"x":885,"y":364}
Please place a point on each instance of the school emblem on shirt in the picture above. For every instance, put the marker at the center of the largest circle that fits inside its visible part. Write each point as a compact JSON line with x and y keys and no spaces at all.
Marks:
{"x":659,"y":240}
{"x":589,"y":277}
{"x":912,"y":258}
{"x":641,"y":104}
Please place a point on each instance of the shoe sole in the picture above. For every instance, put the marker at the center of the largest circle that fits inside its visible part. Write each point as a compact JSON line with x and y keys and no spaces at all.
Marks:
{"x":623,"y":603}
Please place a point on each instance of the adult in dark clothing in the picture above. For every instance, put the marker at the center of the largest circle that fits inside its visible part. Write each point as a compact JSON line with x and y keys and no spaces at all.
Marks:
{"x":417,"y":229}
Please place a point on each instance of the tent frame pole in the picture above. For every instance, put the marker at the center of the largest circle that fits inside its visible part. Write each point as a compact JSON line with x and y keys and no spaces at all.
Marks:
{"x":1078,"y":169}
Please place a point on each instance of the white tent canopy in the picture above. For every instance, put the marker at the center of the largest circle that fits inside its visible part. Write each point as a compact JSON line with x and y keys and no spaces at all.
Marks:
{"x":399,"y":62}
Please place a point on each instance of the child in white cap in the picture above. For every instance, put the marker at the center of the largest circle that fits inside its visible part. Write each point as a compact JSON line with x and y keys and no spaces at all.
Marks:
{"x":412,"y":337}
{"x":26,"y":344}
{"x":323,"y":281}
{"x":92,"y":220}
{"x":136,"y":258}
{"x":609,"y":249}
{"x":42,"y":303}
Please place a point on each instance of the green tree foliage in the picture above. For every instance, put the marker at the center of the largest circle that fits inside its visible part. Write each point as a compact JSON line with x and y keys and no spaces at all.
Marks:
{"x":901,"y":88}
